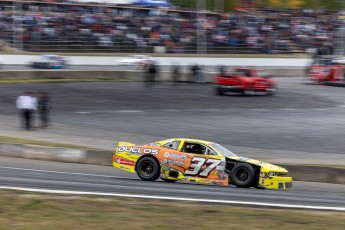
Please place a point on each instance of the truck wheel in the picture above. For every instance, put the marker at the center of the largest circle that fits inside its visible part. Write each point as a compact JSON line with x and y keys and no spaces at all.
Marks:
{"x":242,"y":175}
{"x":148,"y":169}
{"x":273,"y":91}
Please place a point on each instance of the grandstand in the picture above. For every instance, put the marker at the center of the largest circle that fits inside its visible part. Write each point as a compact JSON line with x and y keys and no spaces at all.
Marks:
{"x":66,"y":26}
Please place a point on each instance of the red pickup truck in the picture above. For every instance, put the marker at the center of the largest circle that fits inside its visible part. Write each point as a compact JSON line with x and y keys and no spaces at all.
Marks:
{"x":245,"y":80}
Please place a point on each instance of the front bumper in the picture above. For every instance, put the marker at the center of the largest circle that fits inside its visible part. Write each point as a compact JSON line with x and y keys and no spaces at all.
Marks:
{"x":276,"y":182}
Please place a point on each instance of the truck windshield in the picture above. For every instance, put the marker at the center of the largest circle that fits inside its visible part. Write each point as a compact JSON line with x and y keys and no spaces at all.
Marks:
{"x":222,"y":150}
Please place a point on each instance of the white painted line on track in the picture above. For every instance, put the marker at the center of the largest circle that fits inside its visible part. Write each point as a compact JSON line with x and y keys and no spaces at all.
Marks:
{"x":68,"y":173}
{"x":273,"y":205}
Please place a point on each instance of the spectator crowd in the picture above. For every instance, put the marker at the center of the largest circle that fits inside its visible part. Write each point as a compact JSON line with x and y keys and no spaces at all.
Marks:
{"x":79,"y":26}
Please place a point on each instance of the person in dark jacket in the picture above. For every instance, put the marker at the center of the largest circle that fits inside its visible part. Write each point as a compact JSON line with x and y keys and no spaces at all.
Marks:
{"x":175,"y":73}
{"x":44,"y":107}
{"x":151,"y":75}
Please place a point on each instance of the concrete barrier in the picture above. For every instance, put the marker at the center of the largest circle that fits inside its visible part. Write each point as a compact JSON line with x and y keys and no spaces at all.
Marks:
{"x":298,"y":172}
{"x":317,"y":173}
{"x":206,"y":61}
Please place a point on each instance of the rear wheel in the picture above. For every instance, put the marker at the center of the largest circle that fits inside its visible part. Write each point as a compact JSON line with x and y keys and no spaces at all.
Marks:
{"x":219,"y":91}
{"x":242,"y":175}
{"x":148,"y":169}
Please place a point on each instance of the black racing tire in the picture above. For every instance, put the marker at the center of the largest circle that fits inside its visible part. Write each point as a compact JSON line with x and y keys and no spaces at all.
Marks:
{"x":168,"y":180}
{"x":148,"y":169}
{"x":242,"y":175}
{"x":219,"y":91}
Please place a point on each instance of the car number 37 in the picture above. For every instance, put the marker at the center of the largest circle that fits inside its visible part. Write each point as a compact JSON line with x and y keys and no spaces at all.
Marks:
{"x":195,"y":167}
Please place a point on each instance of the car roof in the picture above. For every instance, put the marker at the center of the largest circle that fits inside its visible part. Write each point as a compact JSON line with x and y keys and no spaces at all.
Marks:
{"x":191,"y":140}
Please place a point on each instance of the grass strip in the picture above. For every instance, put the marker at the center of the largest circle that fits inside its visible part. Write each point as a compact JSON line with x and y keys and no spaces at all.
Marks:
{"x":22,"y":210}
{"x":15,"y":140}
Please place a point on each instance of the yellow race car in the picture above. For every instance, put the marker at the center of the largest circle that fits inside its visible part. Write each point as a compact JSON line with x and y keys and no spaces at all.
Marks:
{"x":199,"y":161}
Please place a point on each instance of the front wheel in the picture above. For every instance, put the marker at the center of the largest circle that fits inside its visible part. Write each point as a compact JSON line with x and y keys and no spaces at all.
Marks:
{"x":242,"y":175}
{"x":148,"y":169}
{"x":273,"y":91}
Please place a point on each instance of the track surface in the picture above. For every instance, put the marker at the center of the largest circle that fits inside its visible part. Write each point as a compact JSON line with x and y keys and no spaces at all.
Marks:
{"x":90,"y":178}
{"x":305,"y":118}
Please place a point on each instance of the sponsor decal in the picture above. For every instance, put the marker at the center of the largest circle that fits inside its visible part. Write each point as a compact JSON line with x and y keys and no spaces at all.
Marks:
{"x":137,"y":150}
{"x":124,"y":167}
{"x":173,"y":162}
{"x":175,"y":155}
{"x":123,"y":161}
{"x":177,"y":163}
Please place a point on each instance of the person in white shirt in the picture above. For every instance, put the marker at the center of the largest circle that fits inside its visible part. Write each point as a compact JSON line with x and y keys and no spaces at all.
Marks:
{"x":27,"y":105}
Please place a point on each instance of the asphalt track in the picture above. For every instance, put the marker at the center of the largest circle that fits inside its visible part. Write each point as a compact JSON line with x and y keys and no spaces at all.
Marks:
{"x":90,"y":179}
{"x":301,"y":117}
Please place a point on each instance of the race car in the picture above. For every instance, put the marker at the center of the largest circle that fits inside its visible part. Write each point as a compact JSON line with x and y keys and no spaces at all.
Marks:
{"x":49,"y":61}
{"x":134,"y":61}
{"x":191,"y":160}
{"x":245,"y":80}
{"x":322,"y":73}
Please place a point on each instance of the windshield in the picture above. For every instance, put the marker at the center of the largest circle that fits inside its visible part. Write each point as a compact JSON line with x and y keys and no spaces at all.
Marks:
{"x":263,"y":74}
{"x":223,"y":150}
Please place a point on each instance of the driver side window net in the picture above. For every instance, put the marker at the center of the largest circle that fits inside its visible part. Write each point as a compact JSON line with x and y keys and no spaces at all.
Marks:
{"x":198,"y":149}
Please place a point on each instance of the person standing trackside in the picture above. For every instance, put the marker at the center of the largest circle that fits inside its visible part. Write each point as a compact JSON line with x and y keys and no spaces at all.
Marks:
{"x":151,"y":75}
{"x":44,"y":107}
{"x":175,"y":73}
{"x":27,"y":104}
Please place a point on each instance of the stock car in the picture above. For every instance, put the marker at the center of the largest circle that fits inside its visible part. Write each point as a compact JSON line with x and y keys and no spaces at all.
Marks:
{"x":134,"y":60}
{"x":49,"y":61}
{"x":191,"y":160}
{"x":245,"y":80}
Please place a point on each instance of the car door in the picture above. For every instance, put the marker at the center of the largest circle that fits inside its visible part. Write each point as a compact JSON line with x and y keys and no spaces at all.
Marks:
{"x":204,"y":164}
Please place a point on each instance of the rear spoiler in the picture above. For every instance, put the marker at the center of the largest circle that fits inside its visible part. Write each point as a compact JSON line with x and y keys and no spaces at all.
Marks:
{"x":124,"y":144}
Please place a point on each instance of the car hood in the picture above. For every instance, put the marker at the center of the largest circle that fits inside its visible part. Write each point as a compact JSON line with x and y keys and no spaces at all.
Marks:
{"x":270,"y":167}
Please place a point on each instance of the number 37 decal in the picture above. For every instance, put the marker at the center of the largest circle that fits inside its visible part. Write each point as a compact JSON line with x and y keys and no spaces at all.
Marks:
{"x":197,"y":163}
